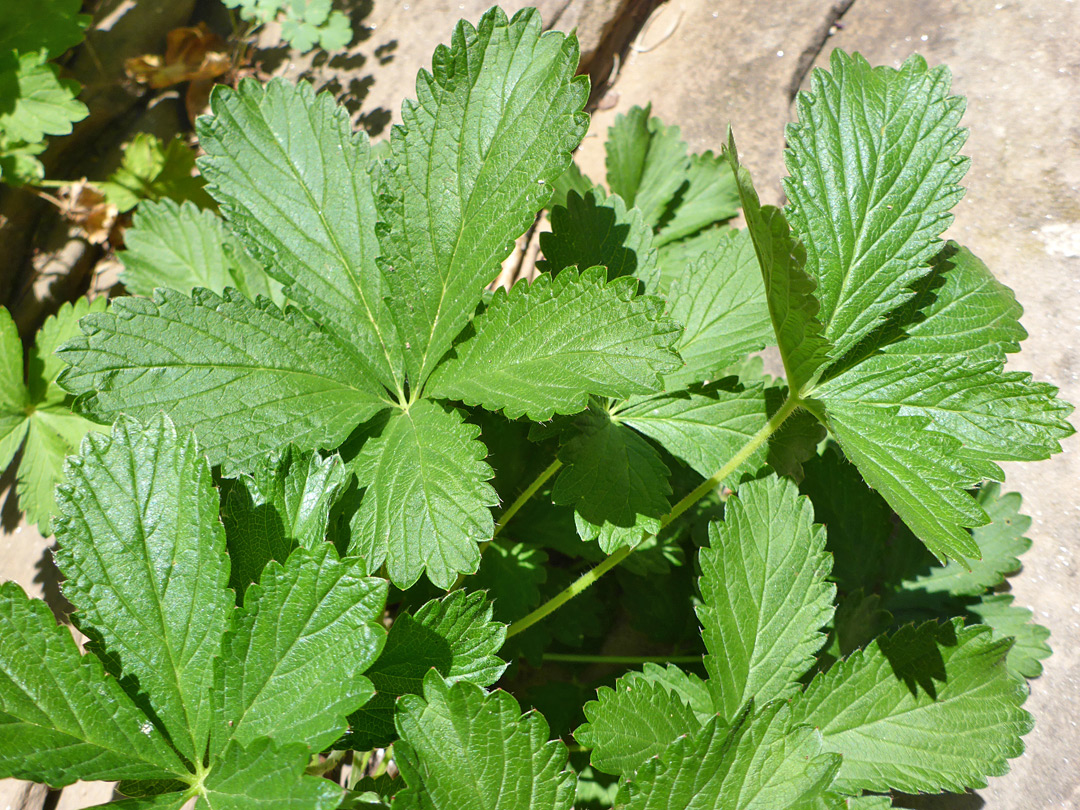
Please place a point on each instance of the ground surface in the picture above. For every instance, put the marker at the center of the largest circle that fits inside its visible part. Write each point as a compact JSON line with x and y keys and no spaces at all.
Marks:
{"x":707,"y":63}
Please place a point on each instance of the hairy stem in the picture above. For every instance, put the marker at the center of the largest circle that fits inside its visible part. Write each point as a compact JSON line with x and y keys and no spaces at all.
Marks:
{"x":589,"y":577}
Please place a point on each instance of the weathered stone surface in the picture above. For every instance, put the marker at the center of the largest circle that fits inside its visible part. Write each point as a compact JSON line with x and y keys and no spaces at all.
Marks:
{"x":1017,"y":64}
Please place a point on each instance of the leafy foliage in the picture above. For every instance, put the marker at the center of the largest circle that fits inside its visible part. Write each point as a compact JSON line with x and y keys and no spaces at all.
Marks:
{"x":152,"y":170}
{"x":304,"y":23}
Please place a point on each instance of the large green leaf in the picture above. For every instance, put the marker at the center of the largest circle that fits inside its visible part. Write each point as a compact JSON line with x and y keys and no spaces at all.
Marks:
{"x":144,"y":558}
{"x":14,"y":396}
{"x":704,"y":426}
{"x":427,"y":504}
{"x":544,"y":348}
{"x":291,"y":663}
{"x":875,"y":166}
{"x":61,"y":717}
{"x":592,"y":230}
{"x":636,"y":719}
{"x":54,"y":25}
{"x":502,"y":100}
{"x":789,"y":291}
{"x":292,"y":178}
{"x":454,"y":635}
{"x":269,"y":777}
{"x":183,"y":246}
{"x":461,"y":747}
{"x":720,"y":300}
{"x":930,"y":708}
{"x":708,"y":196}
{"x":616,"y":482}
{"x":760,"y":763}
{"x":646,"y":162}
{"x":248,"y":378}
{"x":37,"y":102}
{"x":764,"y":594}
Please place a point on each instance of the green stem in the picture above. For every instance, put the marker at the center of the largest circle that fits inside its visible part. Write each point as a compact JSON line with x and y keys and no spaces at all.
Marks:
{"x":589,"y":577}
{"x":333,"y":759}
{"x":630,"y":660}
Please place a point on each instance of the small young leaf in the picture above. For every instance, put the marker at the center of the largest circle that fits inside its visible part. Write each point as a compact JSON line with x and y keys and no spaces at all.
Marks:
{"x":293,"y":181}
{"x":293,"y":656}
{"x":427,"y":503}
{"x":928,"y":709}
{"x":589,"y":230}
{"x":37,"y":102}
{"x":61,"y":717}
{"x":765,"y":595}
{"x":152,"y":170}
{"x":637,"y":719}
{"x":616,"y":482}
{"x":760,"y":763}
{"x":874,"y":162}
{"x":789,"y":291}
{"x":503,"y":100}
{"x":545,"y":347}
{"x":144,"y":558}
{"x":720,"y":300}
{"x":646,"y":162}
{"x":461,"y":747}
{"x":247,"y":377}
{"x":454,"y":635}
{"x":184,"y":246}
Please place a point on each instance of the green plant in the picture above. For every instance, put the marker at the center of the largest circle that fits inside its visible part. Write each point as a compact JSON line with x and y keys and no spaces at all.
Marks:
{"x":625,"y":427}
{"x":304,"y":23}
{"x":36,"y":101}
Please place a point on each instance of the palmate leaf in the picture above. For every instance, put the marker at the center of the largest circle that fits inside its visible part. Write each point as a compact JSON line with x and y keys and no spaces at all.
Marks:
{"x":720,"y":300}
{"x":874,"y":163}
{"x":503,"y":100}
{"x":427,"y":504}
{"x":248,"y":378}
{"x":543,"y":348}
{"x":646,"y":162}
{"x":461,"y":747}
{"x":184,"y":246}
{"x":789,"y":291}
{"x":762,"y":762}
{"x":144,"y":559}
{"x":37,"y":101}
{"x":292,"y":656}
{"x":764,"y":594}
{"x":75,"y":722}
{"x":292,"y":179}
{"x":591,"y":230}
{"x":636,"y":719}
{"x":455,"y":636}
{"x":930,"y":708}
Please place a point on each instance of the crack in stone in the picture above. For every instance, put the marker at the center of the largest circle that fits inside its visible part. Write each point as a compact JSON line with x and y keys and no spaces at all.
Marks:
{"x":821,"y":35}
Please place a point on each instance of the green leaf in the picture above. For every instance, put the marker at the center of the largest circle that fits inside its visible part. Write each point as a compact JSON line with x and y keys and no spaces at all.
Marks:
{"x":637,"y":719}
{"x":37,"y":102}
{"x":512,"y":577}
{"x":928,"y":709}
{"x":284,"y":503}
{"x":675,"y":258}
{"x":292,"y":660}
{"x":268,"y":777}
{"x":247,"y":377}
{"x":708,"y":196}
{"x":789,"y":291}
{"x":152,"y":170}
{"x":543,"y":348}
{"x":1012,"y":621}
{"x":427,"y":503}
{"x":616,"y":482}
{"x":14,"y":396}
{"x":503,"y":101}
{"x":144,"y":559}
{"x":293,"y":181}
{"x":184,"y":246}
{"x":461,"y":747}
{"x":923,"y":430}
{"x":720,"y":301}
{"x":704,"y":426}
{"x":646,"y":162}
{"x":454,"y":635}
{"x":594,"y":230}
{"x":875,"y":166}
{"x":688,"y":686}
{"x":18,"y":162}
{"x":61,"y":717}
{"x":1000,"y":542}
{"x":760,"y":763}
{"x":53,"y":25}
{"x":764,"y":595}
{"x":45,"y":365}
{"x":570,"y":180}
